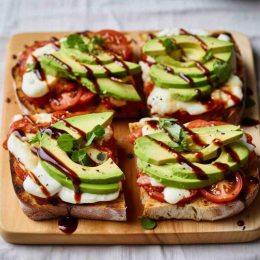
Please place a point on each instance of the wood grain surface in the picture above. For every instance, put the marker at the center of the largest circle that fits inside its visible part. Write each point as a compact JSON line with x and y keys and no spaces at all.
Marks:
{"x":17,"y":228}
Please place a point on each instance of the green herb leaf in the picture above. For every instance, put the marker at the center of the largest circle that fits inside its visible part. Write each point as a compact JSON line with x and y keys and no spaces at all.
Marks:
{"x":76,"y":41}
{"x":80,"y":157}
{"x":97,"y":132}
{"x":176,"y":132}
{"x":66,"y":142}
{"x":221,"y":70}
{"x":208,"y":55}
{"x":102,"y":156}
{"x":249,"y":102}
{"x":98,"y":40}
{"x":169,"y":45}
{"x":36,"y":139}
{"x":148,"y":223}
{"x":30,"y":67}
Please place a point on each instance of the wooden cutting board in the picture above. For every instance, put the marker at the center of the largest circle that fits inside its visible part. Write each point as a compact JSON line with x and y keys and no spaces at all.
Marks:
{"x":17,"y":228}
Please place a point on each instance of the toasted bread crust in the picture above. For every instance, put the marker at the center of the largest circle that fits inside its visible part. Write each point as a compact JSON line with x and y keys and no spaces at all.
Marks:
{"x":38,"y":209}
{"x":200,"y":208}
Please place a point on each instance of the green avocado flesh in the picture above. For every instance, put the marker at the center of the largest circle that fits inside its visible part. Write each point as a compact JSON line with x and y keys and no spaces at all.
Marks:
{"x":101,"y":179}
{"x":84,"y":123}
{"x":182,"y":169}
{"x":92,"y":69}
{"x":189,"y":65}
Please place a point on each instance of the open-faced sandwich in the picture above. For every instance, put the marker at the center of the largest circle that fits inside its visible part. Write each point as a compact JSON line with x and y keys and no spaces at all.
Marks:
{"x":190,"y":76}
{"x":203,"y":170}
{"x":65,"y":164}
{"x":80,"y":72}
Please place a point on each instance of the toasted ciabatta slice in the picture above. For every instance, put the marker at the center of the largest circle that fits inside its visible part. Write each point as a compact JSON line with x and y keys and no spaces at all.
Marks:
{"x":52,"y":206}
{"x":197,"y":208}
{"x":38,"y":209}
{"x":36,"y":99}
{"x":200,"y":208}
{"x":223,"y":102}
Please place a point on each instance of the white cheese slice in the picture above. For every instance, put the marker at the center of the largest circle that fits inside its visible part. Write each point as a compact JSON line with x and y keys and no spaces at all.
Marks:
{"x":22,"y":152}
{"x":49,"y":48}
{"x":32,"y":86}
{"x":224,"y":37}
{"x":174,"y":195}
{"x":162,"y":103}
{"x":68,"y":196}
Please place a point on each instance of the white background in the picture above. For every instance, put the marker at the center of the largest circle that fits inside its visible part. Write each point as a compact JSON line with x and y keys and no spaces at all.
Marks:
{"x":50,"y":15}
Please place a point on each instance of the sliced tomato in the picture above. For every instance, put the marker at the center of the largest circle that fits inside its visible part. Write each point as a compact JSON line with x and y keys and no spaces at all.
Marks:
{"x":116,"y":42}
{"x":224,"y":191}
{"x":154,"y":192}
{"x":134,"y":135}
{"x":203,"y":123}
{"x":86,"y":97}
{"x":66,"y":100}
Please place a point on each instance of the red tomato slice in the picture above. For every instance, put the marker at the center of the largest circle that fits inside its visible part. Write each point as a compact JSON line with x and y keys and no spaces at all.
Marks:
{"x":66,"y":100}
{"x":116,"y":42}
{"x":86,"y":97}
{"x":203,"y":123}
{"x":224,"y":191}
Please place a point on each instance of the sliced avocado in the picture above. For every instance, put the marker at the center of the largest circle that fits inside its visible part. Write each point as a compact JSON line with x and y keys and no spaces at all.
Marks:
{"x":84,"y":187}
{"x":84,"y":122}
{"x":106,"y":173}
{"x":149,"y":151}
{"x":113,"y":88}
{"x":165,"y":79}
{"x":189,"y":94}
{"x":80,"y":69}
{"x":182,"y":176}
{"x":155,"y":46}
{"x":86,"y":57}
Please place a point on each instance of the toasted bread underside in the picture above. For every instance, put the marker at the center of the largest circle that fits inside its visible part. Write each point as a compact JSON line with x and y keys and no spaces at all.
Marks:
{"x":41,"y":210}
{"x":200,"y":208}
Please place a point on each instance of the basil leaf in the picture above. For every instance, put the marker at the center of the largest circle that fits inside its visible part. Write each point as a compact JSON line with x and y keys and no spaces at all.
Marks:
{"x":65,"y":142}
{"x":98,"y":40}
{"x":208,"y":55}
{"x":76,"y":41}
{"x":97,"y":132}
{"x":148,"y":223}
{"x":80,"y":157}
{"x":176,"y":132}
{"x":169,"y":45}
{"x":36,"y":138}
{"x":221,"y":70}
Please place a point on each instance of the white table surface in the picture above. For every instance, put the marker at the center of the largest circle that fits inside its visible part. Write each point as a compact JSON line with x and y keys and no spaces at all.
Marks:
{"x":62,"y":15}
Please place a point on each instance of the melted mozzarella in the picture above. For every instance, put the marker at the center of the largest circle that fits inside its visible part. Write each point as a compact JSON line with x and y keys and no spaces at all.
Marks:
{"x":22,"y":152}
{"x":174,"y":195}
{"x":68,"y":195}
{"x":233,"y":86}
{"x":224,"y":37}
{"x":162,"y":103}
{"x":145,"y":71}
{"x":46,"y":49}
{"x":32,"y":86}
